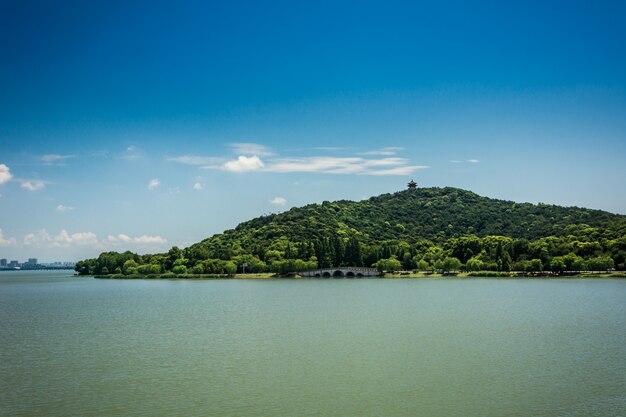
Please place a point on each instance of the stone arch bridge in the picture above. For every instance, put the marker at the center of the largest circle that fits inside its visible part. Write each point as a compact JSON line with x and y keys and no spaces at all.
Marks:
{"x":341,"y":272}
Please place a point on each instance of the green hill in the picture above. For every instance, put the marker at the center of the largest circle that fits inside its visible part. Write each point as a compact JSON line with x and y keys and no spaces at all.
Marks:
{"x":420,"y":228}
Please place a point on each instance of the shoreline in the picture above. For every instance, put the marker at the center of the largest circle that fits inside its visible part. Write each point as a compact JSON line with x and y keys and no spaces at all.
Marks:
{"x":468,"y":275}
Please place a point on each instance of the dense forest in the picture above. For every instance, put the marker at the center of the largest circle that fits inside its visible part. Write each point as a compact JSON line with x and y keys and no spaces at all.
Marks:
{"x":425,"y":229}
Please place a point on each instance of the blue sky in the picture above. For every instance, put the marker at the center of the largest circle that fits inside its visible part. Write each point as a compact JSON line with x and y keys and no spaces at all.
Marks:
{"x":143,"y":125}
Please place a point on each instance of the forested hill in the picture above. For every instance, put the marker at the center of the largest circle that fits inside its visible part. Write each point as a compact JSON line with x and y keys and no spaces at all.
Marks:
{"x":436,"y":214}
{"x":417,"y":228}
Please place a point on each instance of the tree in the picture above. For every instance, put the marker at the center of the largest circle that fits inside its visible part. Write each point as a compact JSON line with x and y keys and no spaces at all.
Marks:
{"x":230,"y":268}
{"x":388,"y":265}
{"x":505,"y":262}
{"x":534,"y":265}
{"x":474,"y":264}
{"x":421,"y":265}
{"x":130,"y":267}
{"x":600,"y":263}
{"x":557,"y":264}
{"x":449,"y":264}
{"x":179,"y":269}
{"x":252,"y":262}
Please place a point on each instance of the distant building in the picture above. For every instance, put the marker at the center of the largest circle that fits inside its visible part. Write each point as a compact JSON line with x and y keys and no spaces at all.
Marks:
{"x":14,"y":264}
{"x":32,"y":261}
{"x":412,"y":185}
{"x":3,"y":263}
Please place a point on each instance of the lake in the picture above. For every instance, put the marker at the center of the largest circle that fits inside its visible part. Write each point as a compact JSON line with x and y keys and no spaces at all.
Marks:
{"x":311,"y":347}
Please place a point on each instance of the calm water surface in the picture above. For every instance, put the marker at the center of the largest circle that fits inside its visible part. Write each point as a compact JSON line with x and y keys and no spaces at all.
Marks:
{"x":86,"y":347}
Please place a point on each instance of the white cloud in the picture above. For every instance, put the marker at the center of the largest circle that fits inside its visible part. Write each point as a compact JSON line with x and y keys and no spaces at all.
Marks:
{"x":64,"y":239}
{"x":196,"y":160}
{"x":250,"y":149}
{"x":244,"y":163}
{"x":6,"y":241}
{"x":37,"y":238}
{"x":153,"y":184}
{"x":279,"y":201}
{"x":124,"y":238}
{"x":63,"y":208}
{"x":389,"y":150}
{"x":55,"y":159}
{"x":5,"y":174}
{"x":150,"y":240}
{"x":142,"y":240}
{"x":357,"y":165}
{"x":33,"y":185}
{"x":473,"y":161}
{"x":198,"y":186}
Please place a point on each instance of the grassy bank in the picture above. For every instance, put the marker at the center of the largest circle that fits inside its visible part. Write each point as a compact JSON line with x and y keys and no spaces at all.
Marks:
{"x":492,"y":274}
{"x":187,"y":276}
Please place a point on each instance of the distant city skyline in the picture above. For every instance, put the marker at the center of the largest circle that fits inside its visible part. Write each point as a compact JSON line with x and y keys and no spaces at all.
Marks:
{"x":140,"y":127}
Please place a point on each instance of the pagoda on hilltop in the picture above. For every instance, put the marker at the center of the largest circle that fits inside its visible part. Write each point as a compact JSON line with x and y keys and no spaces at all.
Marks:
{"x":412,"y":185}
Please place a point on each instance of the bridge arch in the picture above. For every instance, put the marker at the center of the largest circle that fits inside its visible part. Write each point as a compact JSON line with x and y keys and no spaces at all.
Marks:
{"x":340,"y":272}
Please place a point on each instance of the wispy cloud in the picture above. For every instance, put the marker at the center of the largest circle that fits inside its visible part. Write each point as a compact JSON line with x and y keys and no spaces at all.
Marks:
{"x":458,"y":161}
{"x":31,"y":185}
{"x":99,"y":153}
{"x":132,"y":153}
{"x":406,"y":170}
{"x":350,"y":165}
{"x":323,"y":165}
{"x":278,"y":201}
{"x":250,"y":149}
{"x":332,"y":148}
{"x":250,"y":155}
{"x":153,"y":184}
{"x":63,"y":208}
{"x":243,"y":164}
{"x":196,"y":160}
{"x":390,"y":150}
{"x":198,"y":186}
{"x":5,"y":174}
{"x":56,"y":159}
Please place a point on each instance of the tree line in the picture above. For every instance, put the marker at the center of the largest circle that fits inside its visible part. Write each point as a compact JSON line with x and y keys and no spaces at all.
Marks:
{"x":468,"y":253}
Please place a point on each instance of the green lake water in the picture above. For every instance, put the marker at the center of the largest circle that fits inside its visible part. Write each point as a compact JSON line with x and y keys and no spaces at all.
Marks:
{"x":338,"y":347}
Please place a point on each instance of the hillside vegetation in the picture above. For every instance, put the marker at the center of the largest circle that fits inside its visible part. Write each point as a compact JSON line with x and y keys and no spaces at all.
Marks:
{"x":425,"y":229}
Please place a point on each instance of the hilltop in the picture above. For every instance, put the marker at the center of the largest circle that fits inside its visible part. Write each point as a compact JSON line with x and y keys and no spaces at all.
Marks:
{"x":418,"y":228}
